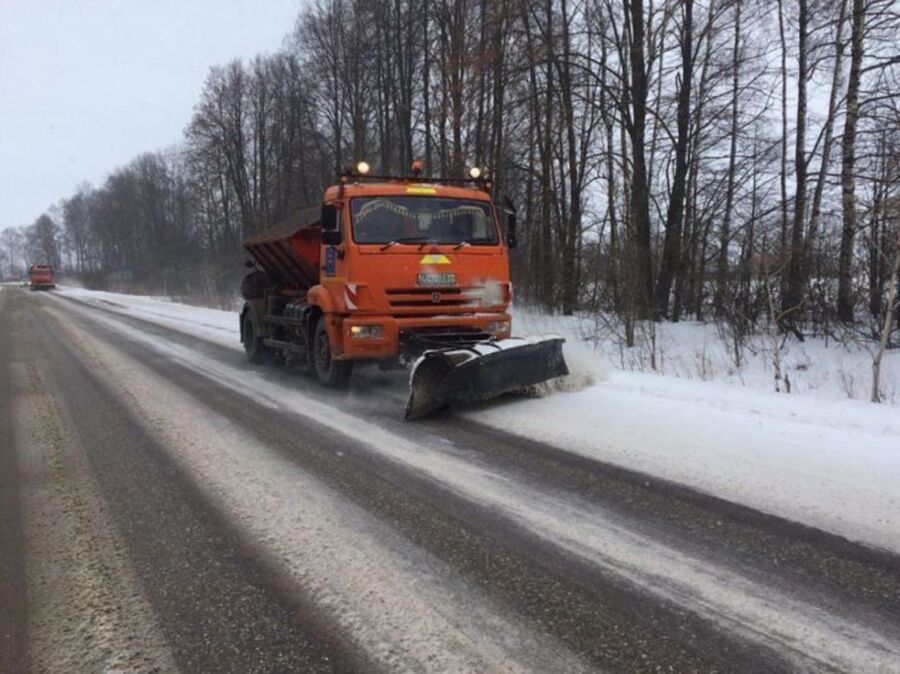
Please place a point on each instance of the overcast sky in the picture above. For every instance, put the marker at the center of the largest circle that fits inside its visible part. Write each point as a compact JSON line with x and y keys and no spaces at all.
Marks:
{"x":85,"y":85}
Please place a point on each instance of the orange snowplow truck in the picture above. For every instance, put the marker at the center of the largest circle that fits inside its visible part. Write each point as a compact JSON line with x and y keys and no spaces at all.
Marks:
{"x":41,"y":277}
{"x":398,"y":271}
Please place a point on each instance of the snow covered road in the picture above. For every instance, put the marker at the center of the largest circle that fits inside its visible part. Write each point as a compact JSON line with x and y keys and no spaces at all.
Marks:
{"x":256,"y":523}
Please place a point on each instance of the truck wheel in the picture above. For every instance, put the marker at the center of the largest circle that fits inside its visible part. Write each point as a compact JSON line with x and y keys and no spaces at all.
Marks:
{"x":256,"y":351}
{"x":330,"y":373}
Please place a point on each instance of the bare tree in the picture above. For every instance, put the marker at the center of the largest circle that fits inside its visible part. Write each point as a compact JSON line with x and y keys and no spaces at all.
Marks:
{"x":12,"y":242}
{"x":848,"y":161}
{"x":675,"y":211}
{"x":725,"y":231}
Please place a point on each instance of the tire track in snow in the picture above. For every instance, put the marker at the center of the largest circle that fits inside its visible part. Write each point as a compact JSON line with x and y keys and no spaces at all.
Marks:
{"x":215,"y":606}
{"x":400,"y":606}
{"x":787,"y":556}
{"x":86,"y":610}
{"x":13,"y":601}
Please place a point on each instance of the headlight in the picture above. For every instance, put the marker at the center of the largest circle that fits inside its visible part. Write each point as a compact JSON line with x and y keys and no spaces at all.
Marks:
{"x":365,"y":331}
{"x":498,"y":327}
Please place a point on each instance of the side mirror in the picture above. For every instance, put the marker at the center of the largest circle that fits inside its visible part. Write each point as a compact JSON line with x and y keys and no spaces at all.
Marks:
{"x":329,"y":217}
{"x":331,"y":233}
{"x":511,"y":222}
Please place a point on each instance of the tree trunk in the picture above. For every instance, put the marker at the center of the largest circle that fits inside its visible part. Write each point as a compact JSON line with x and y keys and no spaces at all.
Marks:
{"x":426,"y":87}
{"x":722,"y":271}
{"x":612,"y":263}
{"x":837,"y":73}
{"x":848,"y":166}
{"x":891,"y":301}
{"x":796,"y":282}
{"x":572,"y":220}
{"x":675,"y":211}
{"x":782,"y":251}
{"x":642,"y":289}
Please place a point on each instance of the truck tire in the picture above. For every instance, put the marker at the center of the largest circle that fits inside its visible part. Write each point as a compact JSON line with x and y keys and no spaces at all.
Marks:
{"x":256,"y":351}
{"x":330,"y":373}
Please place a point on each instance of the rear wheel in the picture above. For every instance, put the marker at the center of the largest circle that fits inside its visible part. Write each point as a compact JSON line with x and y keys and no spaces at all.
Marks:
{"x":256,"y":351}
{"x":330,"y":373}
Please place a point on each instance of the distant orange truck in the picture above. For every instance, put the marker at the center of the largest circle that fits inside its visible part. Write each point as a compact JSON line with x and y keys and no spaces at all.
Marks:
{"x":41,"y":277}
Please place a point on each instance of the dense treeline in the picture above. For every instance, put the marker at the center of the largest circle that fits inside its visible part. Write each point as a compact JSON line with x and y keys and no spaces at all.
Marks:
{"x":727,"y":159}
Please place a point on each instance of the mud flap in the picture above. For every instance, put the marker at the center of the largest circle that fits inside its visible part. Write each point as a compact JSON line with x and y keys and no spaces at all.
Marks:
{"x":459,"y":376}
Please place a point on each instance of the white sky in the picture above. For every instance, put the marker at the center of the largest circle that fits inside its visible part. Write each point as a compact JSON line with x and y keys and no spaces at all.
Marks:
{"x":85,"y":85}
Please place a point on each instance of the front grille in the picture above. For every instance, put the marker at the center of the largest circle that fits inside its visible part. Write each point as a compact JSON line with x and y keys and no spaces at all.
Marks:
{"x":424,"y":297}
{"x":431,"y":303}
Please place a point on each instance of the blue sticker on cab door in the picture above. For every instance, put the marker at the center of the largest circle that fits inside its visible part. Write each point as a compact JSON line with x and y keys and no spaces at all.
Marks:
{"x":330,"y":258}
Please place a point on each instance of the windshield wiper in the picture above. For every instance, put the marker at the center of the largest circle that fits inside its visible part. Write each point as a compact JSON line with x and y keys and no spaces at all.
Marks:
{"x":461,"y":244}
{"x":406,"y":239}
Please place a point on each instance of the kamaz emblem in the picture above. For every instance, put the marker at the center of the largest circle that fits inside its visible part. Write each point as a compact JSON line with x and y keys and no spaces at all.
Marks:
{"x":435,"y":298}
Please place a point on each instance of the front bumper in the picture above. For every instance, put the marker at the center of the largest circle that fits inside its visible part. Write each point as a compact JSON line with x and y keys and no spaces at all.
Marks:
{"x":396,"y":331}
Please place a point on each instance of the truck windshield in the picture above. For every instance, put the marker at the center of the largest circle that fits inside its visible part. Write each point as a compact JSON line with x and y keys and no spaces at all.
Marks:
{"x":388,"y":220}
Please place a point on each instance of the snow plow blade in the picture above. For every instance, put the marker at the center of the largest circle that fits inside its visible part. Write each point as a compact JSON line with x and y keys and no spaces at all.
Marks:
{"x":464,"y":375}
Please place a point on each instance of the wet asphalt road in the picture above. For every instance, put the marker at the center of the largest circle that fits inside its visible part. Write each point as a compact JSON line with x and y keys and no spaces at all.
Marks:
{"x":213,"y":599}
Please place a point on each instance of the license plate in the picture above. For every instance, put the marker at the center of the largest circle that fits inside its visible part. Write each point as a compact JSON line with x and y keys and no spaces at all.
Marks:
{"x":437,"y":280}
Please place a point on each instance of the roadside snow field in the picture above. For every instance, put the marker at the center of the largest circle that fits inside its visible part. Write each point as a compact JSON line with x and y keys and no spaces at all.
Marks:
{"x":213,"y":325}
{"x":821,"y":368}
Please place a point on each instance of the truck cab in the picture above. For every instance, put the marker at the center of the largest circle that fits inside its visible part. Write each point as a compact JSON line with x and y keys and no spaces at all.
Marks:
{"x":405,"y":264}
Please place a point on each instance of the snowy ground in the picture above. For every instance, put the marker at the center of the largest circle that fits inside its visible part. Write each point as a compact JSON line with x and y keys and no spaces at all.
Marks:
{"x":825,"y":369}
{"x":813,"y":456}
